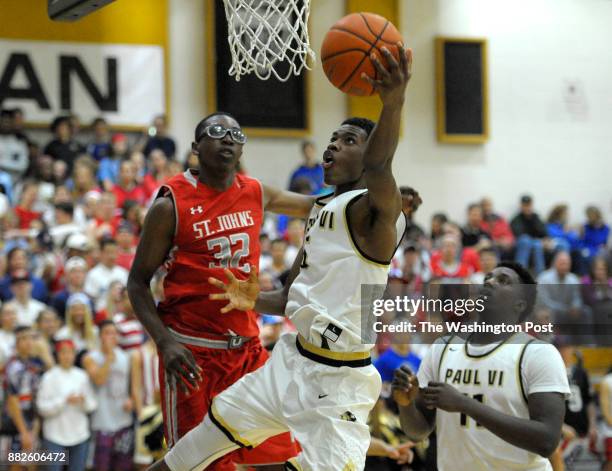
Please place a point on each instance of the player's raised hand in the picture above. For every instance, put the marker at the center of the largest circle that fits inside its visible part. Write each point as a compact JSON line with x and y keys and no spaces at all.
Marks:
{"x":390,"y":82}
{"x":240,"y":294}
{"x":405,"y":386}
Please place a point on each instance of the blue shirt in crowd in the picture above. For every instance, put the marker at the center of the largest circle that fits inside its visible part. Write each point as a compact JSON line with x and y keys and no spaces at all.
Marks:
{"x":390,"y":360}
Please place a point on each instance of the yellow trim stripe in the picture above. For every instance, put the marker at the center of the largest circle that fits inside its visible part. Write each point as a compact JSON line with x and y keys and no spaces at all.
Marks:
{"x":337,"y":356}
{"x":235,"y":435}
{"x":292,"y":463}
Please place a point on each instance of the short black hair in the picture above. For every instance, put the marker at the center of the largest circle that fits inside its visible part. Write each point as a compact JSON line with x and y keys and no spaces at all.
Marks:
{"x":364,"y":123}
{"x":104,"y":323}
{"x":21,"y":328}
{"x":487,"y":250}
{"x":65,"y":206}
{"x":59,"y":120}
{"x":203,"y":123}
{"x":107,"y":241}
{"x":98,"y":120}
{"x":472,"y":206}
{"x":529,"y":285}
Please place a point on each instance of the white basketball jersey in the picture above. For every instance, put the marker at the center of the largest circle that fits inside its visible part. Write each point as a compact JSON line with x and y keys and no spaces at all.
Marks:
{"x":324,"y":301}
{"x":494,"y":378}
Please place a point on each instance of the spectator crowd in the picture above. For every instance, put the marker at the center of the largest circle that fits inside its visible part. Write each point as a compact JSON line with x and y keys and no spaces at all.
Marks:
{"x":79,"y":373}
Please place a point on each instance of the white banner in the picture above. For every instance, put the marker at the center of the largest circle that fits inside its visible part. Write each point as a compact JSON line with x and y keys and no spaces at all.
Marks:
{"x":122,"y":83}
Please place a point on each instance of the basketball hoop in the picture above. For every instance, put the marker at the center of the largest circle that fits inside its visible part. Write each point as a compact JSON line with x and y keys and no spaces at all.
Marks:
{"x":268,"y":38}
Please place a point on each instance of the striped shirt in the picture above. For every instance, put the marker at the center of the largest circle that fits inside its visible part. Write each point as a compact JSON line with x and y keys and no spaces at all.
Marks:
{"x":131,"y":332}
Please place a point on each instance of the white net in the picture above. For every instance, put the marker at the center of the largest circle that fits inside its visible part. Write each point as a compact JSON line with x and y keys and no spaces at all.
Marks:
{"x":268,"y":38}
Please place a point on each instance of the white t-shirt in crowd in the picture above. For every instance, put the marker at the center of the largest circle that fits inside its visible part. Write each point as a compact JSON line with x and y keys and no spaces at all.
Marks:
{"x":65,"y":424}
{"x":27,"y":313}
{"x":100,"y":277}
{"x":7,"y":345}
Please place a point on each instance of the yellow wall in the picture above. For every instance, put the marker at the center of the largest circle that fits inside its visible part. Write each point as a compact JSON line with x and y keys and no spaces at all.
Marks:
{"x":369,"y":107}
{"x":126,"y":22}
{"x":122,"y":22}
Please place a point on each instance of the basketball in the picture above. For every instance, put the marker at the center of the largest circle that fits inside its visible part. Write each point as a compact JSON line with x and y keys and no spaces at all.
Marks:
{"x":347,"y":46}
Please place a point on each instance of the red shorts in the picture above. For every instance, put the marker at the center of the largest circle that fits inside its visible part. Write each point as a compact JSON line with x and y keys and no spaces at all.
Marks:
{"x":220,"y":369}
{"x":609,"y":449}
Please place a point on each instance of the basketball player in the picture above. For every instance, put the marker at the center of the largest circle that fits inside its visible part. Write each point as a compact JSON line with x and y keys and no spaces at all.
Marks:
{"x":319,"y":382}
{"x":201,"y":222}
{"x":496,"y":401}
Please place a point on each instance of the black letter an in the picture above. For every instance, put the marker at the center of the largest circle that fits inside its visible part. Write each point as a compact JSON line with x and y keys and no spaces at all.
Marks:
{"x":70,"y":64}
{"x":34,"y":90}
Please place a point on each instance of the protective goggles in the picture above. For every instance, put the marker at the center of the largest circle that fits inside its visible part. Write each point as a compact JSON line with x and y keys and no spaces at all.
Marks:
{"x":216,"y":131}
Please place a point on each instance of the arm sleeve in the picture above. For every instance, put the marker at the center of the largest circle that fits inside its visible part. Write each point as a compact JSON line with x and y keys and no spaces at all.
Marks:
{"x":48,"y":401}
{"x":428,"y":370}
{"x":543,"y":370}
{"x":91,"y":402}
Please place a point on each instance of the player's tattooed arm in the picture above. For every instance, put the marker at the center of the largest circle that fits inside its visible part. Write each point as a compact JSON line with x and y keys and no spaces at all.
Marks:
{"x":383,"y":194}
{"x":539,"y":434}
{"x":287,"y":202}
{"x":244,"y":295}
{"x":153,"y":248}
{"x":416,"y":420}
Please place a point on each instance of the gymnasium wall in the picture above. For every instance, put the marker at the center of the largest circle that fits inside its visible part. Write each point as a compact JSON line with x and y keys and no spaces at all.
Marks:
{"x":546,"y":139}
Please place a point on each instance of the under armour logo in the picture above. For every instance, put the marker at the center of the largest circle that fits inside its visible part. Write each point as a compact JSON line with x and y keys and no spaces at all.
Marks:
{"x":196,"y":209}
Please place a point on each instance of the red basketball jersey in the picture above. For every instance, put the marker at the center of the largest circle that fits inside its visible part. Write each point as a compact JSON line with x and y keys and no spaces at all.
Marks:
{"x":214,"y":230}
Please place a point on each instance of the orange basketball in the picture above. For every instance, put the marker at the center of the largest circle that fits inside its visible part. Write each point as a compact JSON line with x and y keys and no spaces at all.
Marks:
{"x":347,"y":46}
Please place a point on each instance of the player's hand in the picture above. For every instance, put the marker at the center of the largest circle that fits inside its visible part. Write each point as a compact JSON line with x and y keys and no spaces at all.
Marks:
{"x":443,"y":396}
{"x":392,"y":80}
{"x":180,"y":365}
{"x":405,"y":386}
{"x":402,"y":454}
{"x":240,"y":294}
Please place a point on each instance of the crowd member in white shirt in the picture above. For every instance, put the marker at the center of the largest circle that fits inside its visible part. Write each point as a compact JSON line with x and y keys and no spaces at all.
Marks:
{"x":26,"y":307}
{"x":79,"y":325}
{"x":104,"y":273}
{"x":64,"y":399}
{"x":64,"y":223}
{"x":8,"y":322}
{"x":117,"y":384}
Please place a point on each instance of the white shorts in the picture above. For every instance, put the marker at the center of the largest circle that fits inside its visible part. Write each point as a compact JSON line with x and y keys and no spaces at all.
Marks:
{"x":325,"y":407}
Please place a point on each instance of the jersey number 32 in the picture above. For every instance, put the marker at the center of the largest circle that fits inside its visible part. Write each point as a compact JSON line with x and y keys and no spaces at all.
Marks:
{"x":229,"y":250}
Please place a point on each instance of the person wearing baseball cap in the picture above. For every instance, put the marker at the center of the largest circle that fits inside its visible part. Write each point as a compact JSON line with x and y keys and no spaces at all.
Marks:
{"x":27,"y":308}
{"x":75,"y":271}
{"x":530,"y":233}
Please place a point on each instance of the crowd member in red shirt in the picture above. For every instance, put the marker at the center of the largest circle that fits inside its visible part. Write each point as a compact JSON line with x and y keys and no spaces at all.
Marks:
{"x":447,"y":262}
{"x":497,"y":227}
{"x":127,"y":188}
{"x":205,"y":223}
{"x":24,"y":212}
{"x":107,"y":219}
{"x":126,"y":244}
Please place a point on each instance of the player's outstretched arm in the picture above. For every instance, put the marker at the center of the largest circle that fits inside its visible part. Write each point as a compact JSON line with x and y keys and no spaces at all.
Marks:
{"x":287,"y":202}
{"x":539,"y":434}
{"x":416,"y":420}
{"x":153,"y":248}
{"x":383,"y":194}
